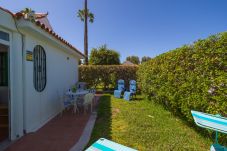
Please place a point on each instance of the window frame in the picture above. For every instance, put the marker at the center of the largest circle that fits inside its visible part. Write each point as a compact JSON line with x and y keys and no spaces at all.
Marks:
{"x":39,"y":68}
{"x":7,"y":38}
{"x":4,"y":42}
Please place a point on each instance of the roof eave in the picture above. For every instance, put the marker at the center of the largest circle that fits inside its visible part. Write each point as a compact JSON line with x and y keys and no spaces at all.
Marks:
{"x":27,"y":26}
{"x":19,"y":16}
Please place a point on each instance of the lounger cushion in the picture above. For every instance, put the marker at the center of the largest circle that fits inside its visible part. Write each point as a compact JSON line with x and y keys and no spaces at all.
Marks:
{"x":127,"y":95}
{"x":117,"y":93}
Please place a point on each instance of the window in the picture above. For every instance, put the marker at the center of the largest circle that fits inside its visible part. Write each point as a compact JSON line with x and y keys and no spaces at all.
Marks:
{"x":39,"y":75}
{"x":4,"y":36}
{"x":3,"y":69}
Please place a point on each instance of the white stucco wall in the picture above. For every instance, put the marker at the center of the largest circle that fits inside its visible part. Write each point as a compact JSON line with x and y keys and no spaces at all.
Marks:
{"x":6,"y":20}
{"x":61,"y":74}
{"x":7,"y":24}
{"x":30,"y":109}
{"x":16,"y":86}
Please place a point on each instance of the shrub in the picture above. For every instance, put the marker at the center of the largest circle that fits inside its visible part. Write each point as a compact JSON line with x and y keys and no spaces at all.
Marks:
{"x":104,"y":56}
{"x":133,"y":59}
{"x":192,"y":77}
{"x":106,"y":75}
{"x":145,"y":59}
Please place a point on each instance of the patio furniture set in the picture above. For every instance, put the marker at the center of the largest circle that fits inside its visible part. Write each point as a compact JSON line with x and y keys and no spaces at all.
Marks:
{"x":78,"y":97}
{"x":121,"y":90}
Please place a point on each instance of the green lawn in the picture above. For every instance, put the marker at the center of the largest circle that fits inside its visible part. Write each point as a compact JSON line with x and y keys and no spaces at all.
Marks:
{"x":145,"y":126}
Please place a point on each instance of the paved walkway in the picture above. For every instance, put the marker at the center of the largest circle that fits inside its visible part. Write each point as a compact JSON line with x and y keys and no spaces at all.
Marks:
{"x":60,"y":134}
{"x":85,"y":137}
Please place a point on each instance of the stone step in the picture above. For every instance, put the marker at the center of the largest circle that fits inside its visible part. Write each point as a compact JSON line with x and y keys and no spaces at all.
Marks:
{"x":3,"y":106}
{"x":4,"y":125}
{"x":4,"y":110}
{"x":4,"y":119}
{"x":4,"y":132}
{"x":4,"y":122}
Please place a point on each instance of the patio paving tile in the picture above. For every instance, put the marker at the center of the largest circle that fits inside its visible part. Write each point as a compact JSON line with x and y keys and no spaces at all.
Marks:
{"x":60,"y":134}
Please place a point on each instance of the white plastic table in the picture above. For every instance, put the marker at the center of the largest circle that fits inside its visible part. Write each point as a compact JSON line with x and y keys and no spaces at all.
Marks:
{"x":106,"y":145}
{"x":73,"y":97}
{"x":77,"y":93}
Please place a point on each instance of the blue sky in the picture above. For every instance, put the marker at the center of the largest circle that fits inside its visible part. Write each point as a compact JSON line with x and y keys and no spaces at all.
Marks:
{"x":133,"y":27}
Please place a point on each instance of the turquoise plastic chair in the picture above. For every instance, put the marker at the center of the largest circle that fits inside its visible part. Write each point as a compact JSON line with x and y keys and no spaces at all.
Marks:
{"x":132,"y":91}
{"x":212,"y":122}
{"x":120,"y":88}
{"x":106,"y":145}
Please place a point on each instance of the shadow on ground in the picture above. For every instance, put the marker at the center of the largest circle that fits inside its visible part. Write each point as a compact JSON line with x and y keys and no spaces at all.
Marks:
{"x":102,"y":127}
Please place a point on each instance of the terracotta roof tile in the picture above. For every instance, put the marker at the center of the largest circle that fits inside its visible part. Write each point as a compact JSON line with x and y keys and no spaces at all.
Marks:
{"x":40,"y":15}
{"x":46,"y":29}
{"x":6,"y":10}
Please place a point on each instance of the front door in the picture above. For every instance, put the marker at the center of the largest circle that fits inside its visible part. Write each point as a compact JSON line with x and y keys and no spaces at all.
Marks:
{"x":4,"y":93}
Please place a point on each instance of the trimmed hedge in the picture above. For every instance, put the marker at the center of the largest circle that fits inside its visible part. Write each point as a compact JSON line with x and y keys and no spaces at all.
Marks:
{"x":193,"y":77}
{"x":106,"y":75}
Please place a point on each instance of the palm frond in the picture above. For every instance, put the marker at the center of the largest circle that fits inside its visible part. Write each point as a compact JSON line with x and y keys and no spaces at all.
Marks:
{"x":81,"y":15}
{"x":91,"y":17}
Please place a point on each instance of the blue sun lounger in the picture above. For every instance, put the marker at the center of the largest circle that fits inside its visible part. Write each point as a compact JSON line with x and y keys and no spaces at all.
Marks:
{"x":120,"y":88}
{"x":212,"y":122}
{"x":132,"y":91}
{"x":106,"y":145}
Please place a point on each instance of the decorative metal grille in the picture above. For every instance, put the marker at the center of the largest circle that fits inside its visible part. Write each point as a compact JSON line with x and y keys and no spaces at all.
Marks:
{"x":39,"y":75}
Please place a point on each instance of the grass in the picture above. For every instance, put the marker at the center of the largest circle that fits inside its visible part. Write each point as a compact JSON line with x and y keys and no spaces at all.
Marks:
{"x":145,"y":126}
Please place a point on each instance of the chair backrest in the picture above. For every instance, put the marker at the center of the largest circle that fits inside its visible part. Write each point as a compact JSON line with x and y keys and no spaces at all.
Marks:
{"x":63,"y":98}
{"x":92,"y":91}
{"x":121,"y":84}
{"x":209,"y":121}
{"x":132,"y":86}
{"x":88,"y":98}
{"x":81,"y":85}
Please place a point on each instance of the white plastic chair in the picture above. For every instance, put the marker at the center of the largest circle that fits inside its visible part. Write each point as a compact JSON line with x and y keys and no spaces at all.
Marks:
{"x":94,"y":92}
{"x":75,"y":108}
{"x":81,"y":86}
{"x":88,"y":100}
{"x":65,"y":101}
{"x":78,"y":103}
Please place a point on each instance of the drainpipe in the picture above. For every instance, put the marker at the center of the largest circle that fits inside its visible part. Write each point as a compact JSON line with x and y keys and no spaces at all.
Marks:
{"x":23,"y":84}
{"x":23,"y":92}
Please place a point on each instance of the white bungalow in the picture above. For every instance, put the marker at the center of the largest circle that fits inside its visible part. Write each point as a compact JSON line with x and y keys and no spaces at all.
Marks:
{"x":36,"y":65}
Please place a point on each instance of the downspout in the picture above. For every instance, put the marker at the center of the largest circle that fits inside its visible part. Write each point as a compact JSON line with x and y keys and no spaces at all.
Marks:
{"x":23,"y":92}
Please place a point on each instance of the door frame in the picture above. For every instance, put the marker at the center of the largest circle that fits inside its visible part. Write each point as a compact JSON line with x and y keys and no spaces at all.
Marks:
{"x":9,"y":45}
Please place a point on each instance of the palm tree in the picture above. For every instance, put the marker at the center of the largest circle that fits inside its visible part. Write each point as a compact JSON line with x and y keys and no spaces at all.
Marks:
{"x":84,"y":15}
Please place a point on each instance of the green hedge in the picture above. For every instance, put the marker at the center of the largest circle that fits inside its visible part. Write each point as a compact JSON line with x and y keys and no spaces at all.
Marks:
{"x":193,"y":77}
{"x":106,"y":75}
